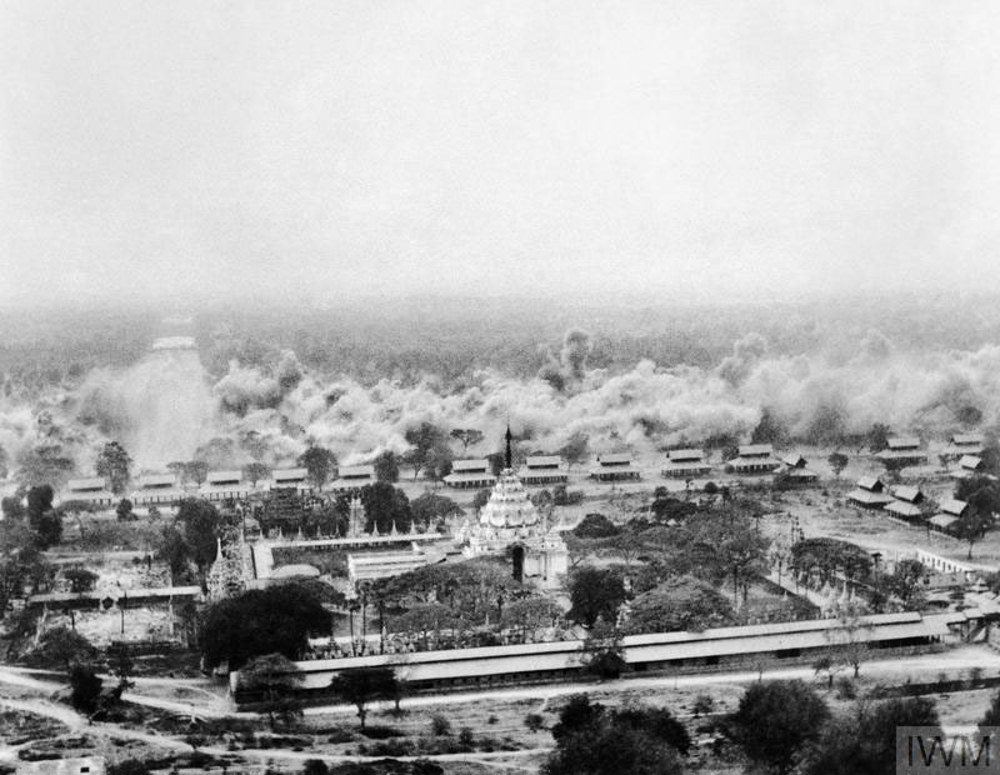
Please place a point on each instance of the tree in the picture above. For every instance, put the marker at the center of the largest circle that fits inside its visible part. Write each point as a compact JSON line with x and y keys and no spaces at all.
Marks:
{"x":202,"y":530}
{"x":43,"y":520}
{"x":878,"y":438}
{"x":19,"y":556}
{"x":122,"y":665}
{"x":196,"y":471}
{"x":775,"y":721}
{"x":85,"y":687}
{"x":596,"y":526}
{"x":862,"y":741}
{"x":66,"y":647}
{"x":46,"y":464}
{"x":256,"y":472}
{"x":113,"y":463}
{"x":430,"y":507}
{"x":576,"y":450}
{"x":730,"y":546}
{"x":531,"y":613}
{"x":682,"y":603}
{"x":267,"y":621}
{"x":387,"y":467}
{"x":769,"y":430}
{"x":603,"y":651}
{"x":594,"y":593}
{"x":422,"y":440}
{"x":838,"y":462}
{"x":319,"y":464}
{"x":593,"y":740}
{"x":850,"y":639}
{"x":983,"y":497}
{"x":468,"y":436}
{"x":362,"y":685}
{"x":272,"y":680}
{"x":386,"y":507}
{"x":124,"y":510}
{"x":315,"y":767}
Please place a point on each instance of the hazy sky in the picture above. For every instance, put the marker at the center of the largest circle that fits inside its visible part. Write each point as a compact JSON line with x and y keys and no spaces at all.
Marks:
{"x":149,"y":148}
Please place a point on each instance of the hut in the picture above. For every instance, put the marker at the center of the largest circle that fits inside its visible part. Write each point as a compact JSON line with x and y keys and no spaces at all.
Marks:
{"x":903,"y":450}
{"x":93,"y":491}
{"x":870,"y":493}
{"x":158,"y":490}
{"x":542,"y":469}
{"x":755,"y":459}
{"x":224,"y":485}
{"x":353,"y":478}
{"x":795,"y":467}
{"x":906,"y":504}
{"x":470,"y":473}
{"x":686,"y":464}
{"x":615,"y":467}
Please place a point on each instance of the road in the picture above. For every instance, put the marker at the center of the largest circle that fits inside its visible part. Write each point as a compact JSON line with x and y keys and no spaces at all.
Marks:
{"x":954,"y":661}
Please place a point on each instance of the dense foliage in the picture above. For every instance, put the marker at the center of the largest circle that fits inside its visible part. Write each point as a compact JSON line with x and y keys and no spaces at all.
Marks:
{"x":276,"y":620}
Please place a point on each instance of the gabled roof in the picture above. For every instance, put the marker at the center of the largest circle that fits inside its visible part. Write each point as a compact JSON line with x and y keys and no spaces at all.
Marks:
{"x":908,"y":494}
{"x":85,"y":485}
{"x":460,"y":466}
{"x":289,"y":475}
{"x":218,"y":477}
{"x":685,"y":455}
{"x":903,"y":509}
{"x":756,"y":450}
{"x":943,"y":520}
{"x":967,"y":439}
{"x":954,"y":507}
{"x":869,"y":497}
{"x":157,"y":480}
{"x":544,"y":461}
{"x":971,"y":462}
{"x":871,"y":483}
{"x":615,"y":459}
{"x":904,"y":442}
{"x":794,"y":461}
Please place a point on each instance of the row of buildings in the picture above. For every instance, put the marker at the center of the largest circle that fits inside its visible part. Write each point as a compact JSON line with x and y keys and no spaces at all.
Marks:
{"x":906,"y":502}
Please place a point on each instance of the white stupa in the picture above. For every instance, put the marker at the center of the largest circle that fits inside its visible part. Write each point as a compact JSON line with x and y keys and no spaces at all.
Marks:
{"x":509,"y":522}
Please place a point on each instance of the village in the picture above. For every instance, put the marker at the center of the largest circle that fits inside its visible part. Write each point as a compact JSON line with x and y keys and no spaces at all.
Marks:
{"x":516,"y":569}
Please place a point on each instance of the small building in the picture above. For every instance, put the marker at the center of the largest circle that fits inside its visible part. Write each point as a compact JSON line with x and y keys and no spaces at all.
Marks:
{"x":906,"y":504}
{"x":966,"y":444}
{"x":754,"y":459}
{"x":93,"y":491}
{"x":795,"y":467}
{"x":952,"y":511}
{"x":84,"y":765}
{"x":904,"y":450}
{"x":969,"y":466}
{"x":380,"y":565}
{"x":870,"y":493}
{"x":290,"y":479}
{"x":224,"y":485}
{"x":470,"y":473}
{"x":542,"y":469}
{"x":686,"y":464}
{"x":158,"y":490}
{"x":616,"y":467}
{"x":353,"y":478}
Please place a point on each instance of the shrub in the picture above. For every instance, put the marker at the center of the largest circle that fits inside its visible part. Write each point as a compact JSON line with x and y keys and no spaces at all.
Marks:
{"x":534,"y":722}
{"x":440,"y":725}
{"x":466,"y":738}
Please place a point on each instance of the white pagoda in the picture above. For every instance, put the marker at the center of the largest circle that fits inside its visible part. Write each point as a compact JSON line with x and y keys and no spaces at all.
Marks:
{"x":510,"y":524}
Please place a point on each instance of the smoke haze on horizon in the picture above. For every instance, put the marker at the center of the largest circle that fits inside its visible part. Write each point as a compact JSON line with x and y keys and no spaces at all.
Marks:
{"x":314,"y":150}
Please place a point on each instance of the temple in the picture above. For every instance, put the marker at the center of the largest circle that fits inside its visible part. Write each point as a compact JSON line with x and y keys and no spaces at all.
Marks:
{"x":510,"y":524}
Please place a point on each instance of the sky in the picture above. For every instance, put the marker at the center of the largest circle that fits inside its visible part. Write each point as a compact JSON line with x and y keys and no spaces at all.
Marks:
{"x":172,"y":149}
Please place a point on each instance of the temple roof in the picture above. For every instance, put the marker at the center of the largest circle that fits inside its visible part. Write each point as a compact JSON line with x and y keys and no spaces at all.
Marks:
{"x":509,"y":505}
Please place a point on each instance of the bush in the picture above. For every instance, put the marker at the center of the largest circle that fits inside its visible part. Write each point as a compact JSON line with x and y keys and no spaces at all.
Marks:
{"x":440,"y":725}
{"x":466,"y":738}
{"x":534,"y":722}
{"x":315,"y":767}
{"x":846,"y":690}
{"x":381,"y":733}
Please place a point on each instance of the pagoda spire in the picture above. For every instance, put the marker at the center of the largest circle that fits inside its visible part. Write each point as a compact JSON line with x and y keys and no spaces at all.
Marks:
{"x":509,"y":458}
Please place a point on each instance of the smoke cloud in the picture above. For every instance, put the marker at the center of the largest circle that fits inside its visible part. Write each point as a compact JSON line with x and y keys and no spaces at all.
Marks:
{"x":165,"y":408}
